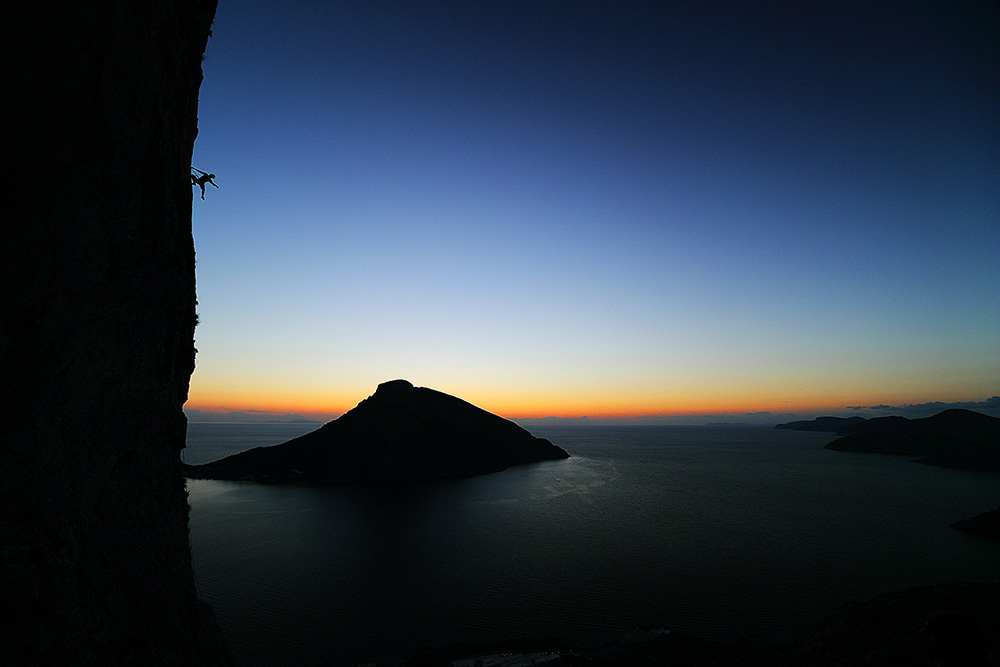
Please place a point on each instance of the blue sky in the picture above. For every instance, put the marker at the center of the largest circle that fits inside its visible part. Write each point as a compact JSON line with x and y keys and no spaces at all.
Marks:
{"x":586,"y":208}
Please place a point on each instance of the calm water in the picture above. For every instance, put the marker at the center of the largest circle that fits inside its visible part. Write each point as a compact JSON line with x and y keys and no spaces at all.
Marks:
{"x":724,"y":533}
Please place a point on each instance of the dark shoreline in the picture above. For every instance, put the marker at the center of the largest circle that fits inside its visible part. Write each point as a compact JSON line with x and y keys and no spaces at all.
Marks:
{"x":946,"y":624}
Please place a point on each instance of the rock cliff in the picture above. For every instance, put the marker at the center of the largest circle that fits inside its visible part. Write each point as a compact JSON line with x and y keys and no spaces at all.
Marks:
{"x":401,"y":432}
{"x":97,"y":316}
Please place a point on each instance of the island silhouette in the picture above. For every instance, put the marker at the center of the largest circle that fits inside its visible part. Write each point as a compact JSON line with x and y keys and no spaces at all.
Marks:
{"x":950,"y":439}
{"x":400,"y":432}
{"x":953,"y":438}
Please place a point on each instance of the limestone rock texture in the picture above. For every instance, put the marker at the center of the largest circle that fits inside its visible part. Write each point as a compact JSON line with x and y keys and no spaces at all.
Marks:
{"x":97,"y":317}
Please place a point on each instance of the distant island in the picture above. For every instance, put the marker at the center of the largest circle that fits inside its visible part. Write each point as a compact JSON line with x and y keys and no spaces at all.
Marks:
{"x":823,"y":424}
{"x":987,"y":523}
{"x":401,"y":432}
{"x":951,"y":439}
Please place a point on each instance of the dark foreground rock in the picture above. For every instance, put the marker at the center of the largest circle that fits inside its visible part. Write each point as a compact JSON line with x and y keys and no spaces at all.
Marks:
{"x":946,"y":625}
{"x":401,"y":432}
{"x":952,"y":625}
{"x":647,"y":645}
{"x":97,"y":317}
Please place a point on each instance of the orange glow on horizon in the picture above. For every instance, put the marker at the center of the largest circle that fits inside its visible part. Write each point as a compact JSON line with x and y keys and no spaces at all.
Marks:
{"x":611,"y":405}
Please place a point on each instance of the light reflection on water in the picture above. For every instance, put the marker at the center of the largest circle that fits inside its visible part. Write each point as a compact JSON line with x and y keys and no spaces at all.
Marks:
{"x":748,"y":532}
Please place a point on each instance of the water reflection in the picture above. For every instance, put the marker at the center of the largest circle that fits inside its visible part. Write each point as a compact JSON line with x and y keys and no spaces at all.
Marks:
{"x":720,"y":537}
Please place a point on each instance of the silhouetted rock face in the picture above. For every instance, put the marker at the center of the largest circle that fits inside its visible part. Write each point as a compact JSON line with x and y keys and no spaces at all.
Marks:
{"x":952,"y":439}
{"x":401,"y":432}
{"x":97,"y":316}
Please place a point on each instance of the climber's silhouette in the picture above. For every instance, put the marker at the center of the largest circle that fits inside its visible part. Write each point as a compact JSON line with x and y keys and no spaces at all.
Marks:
{"x":201,"y":180}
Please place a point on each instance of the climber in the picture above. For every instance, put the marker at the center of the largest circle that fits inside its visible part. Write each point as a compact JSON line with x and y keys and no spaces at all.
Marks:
{"x":201,"y":180}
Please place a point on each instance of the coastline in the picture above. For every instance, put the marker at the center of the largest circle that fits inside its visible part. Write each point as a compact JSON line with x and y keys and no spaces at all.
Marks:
{"x":956,"y":623}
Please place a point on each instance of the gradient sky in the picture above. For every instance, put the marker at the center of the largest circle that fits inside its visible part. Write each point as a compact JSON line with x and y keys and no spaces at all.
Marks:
{"x":580,"y":208}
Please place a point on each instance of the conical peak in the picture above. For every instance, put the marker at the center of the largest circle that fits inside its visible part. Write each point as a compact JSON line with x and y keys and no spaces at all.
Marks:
{"x":400,"y":432}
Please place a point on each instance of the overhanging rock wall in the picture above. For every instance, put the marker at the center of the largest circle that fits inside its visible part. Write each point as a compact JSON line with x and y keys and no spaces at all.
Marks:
{"x":97,"y":316}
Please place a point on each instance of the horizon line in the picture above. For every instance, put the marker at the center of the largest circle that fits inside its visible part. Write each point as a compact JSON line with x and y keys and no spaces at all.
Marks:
{"x":989,"y":406}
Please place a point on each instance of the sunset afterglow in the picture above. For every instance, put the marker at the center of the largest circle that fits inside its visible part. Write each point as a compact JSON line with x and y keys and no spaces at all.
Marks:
{"x":551,"y":212}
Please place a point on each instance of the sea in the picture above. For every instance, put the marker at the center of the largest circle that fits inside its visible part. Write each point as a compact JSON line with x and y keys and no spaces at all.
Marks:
{"x":726,"y":533}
